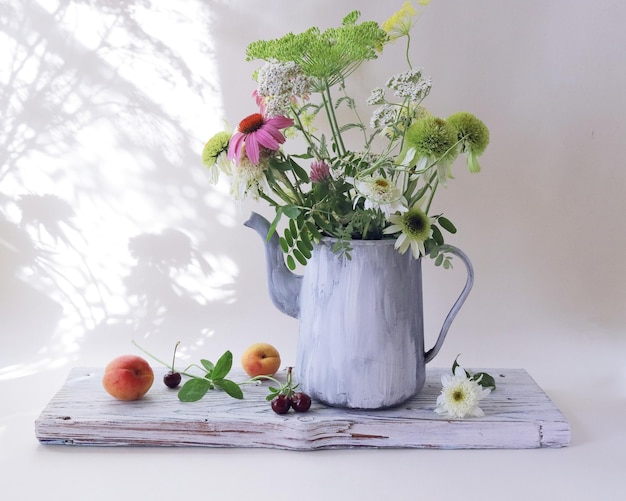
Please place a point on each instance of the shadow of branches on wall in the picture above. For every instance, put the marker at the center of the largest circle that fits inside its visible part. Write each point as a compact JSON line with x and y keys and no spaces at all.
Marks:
{"x":103,"y":200}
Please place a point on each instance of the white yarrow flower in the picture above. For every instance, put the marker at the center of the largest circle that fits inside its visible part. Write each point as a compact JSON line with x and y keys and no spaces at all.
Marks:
{"x":279,"y":85}
{"x":460,"y":396}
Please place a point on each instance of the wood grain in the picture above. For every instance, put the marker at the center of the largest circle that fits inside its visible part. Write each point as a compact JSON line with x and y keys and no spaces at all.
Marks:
{"x":518,"y":415}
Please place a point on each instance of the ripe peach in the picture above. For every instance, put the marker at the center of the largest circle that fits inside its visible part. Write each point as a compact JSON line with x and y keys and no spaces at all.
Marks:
{"x":127,"y":377}
{"x":260,"y":359}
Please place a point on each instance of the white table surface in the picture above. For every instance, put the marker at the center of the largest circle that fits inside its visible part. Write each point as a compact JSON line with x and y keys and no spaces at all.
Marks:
{"x":585,"y":378}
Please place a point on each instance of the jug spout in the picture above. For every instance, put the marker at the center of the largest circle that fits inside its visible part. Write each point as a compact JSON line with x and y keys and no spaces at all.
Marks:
{"x":283,"y":284}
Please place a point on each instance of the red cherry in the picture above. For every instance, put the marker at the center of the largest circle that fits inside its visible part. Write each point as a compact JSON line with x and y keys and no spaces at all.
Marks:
{"x":300,"y":402}
{"x":172,"y":379}
{"x":281,"y":404}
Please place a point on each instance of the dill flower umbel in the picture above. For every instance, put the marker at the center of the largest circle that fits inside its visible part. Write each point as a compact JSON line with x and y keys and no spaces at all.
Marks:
{"x":400,"y":23}
{"x":330,"y":55}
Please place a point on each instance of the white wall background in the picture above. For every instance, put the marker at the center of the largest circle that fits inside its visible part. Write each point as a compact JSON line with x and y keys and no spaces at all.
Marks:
{"x":110,"y":231}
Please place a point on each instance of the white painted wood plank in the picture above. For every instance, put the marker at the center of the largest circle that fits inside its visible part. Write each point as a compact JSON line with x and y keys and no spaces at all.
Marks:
{"x":518,"y":415}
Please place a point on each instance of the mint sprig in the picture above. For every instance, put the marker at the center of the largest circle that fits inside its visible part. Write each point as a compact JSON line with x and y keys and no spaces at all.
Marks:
{"x":214,"y":377}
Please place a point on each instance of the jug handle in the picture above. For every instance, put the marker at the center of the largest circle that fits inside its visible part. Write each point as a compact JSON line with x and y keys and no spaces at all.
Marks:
{"x":430,"y":354}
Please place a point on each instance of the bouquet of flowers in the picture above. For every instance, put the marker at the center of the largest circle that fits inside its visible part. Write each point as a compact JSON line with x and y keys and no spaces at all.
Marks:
{"x":381,"y":188}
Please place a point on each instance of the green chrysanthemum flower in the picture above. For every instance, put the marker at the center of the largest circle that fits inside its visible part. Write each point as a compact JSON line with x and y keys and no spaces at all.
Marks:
{"x":430,"y":140}
{"x":215,"y":155}
{"x":473,"y":136}
{"x":431,"y":137}
{"x":214,"y":147}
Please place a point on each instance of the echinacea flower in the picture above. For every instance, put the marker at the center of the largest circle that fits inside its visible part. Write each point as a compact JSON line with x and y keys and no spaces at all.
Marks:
{"x":473,"y":135}
{"x":460,"y":396}
{"x":249,"y":177}
{"x":430,"y":140}
{"x":380,"y":193}
{"x":415,"y":228}
{"x":257,"y":130}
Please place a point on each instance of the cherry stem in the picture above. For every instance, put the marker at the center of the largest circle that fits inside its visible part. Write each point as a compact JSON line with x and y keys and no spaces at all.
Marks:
{"x":174,"y":357}
{"x":160,"y":361}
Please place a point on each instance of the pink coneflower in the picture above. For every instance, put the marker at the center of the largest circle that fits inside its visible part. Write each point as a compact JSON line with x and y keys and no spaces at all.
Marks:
{"x":256,"y":130}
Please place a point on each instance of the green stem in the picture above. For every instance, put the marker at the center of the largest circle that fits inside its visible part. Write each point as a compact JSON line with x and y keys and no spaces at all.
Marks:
{"x":174,"y":356}
{"x":332,"y":118}
{"x":434,"y":182}
{"x":161,"y":361}
{"x":408,"y":44}
{"x":307,"y":136}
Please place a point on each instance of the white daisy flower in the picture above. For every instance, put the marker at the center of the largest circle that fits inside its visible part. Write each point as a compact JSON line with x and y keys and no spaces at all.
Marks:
{"x":379,"y":193}
{"x":460,"y":396}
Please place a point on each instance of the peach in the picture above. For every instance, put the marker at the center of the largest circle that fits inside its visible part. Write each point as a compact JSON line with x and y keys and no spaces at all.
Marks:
{"x":128,"y":377}
{"x":260,"y":359}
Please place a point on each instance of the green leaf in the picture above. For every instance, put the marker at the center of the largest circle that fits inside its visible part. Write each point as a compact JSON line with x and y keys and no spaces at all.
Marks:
{"x":291,"y":211}
{"x":314,"y":232}
{"x":222,"y":366}
{"x":288,"y":237}
{"x":305,"y":238}
{"x":284,"y":245}
{"x":292,"y":228}
{"x":229,"y":387}
{"x":299,"y":256}
{"x":437,"y":236}
{"x":439,"y":260}
{"x":291,"y":264}
{"x":446,"y":224}
{"x":208,"y":365}
{"x":299,"y":171}
{"x":279,"y":165}
{"x":194,"y":389}
{"x":347,"y":127}
{"x":303,"y":248}
{"x":456,"y":364}
{"x":485,"y":380}
{"x":272,"y":228}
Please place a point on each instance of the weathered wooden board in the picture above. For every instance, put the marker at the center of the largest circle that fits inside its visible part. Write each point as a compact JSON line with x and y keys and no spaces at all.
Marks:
{"x":518,"y":415}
